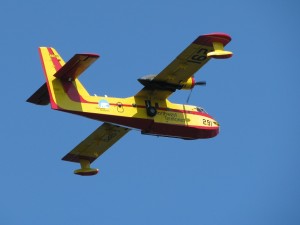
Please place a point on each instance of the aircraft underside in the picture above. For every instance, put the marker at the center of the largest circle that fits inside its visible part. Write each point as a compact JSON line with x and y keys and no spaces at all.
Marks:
{"x":149,"y":127}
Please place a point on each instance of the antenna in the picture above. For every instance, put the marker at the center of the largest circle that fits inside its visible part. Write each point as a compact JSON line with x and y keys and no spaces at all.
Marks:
{"x":199,"y":83}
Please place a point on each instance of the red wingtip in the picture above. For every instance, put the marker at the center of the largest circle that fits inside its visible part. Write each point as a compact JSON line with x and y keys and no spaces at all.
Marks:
{"x":208,"y":39}
{"x":219,"y":35}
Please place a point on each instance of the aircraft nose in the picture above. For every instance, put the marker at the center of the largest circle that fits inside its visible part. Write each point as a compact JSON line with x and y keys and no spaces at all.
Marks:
{"x":214,"y":129}
{"x":214,"y":132}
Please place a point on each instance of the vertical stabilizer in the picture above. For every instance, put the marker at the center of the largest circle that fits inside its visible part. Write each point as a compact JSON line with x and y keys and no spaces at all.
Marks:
{"x":64,"y":89}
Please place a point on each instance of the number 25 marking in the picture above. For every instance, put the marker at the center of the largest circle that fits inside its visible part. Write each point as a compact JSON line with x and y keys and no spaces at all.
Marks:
{"x":207,"y":122}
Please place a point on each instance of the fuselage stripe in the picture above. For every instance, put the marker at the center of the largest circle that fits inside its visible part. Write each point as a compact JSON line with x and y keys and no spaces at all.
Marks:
{"x":75,"y":96}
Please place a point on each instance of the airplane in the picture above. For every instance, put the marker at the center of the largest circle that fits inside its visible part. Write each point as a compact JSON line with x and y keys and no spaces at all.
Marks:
{"x":149,"y":110}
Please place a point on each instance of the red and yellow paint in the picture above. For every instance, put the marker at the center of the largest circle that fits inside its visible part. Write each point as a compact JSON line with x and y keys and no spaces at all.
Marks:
{"x":149,"y":110}
{"x":172,"y":120}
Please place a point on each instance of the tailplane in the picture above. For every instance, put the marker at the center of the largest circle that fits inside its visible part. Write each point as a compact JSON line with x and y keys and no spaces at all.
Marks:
{"x":62,"y":85}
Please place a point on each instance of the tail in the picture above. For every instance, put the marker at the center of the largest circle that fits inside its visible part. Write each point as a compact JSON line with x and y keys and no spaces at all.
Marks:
{"x":62,"y":88}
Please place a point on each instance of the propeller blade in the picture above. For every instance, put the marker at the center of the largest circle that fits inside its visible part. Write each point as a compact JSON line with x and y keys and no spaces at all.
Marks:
{"x":201,"y":83}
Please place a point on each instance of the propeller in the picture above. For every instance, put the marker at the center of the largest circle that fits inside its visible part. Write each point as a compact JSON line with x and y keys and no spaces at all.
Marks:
{"x":198,"y":83}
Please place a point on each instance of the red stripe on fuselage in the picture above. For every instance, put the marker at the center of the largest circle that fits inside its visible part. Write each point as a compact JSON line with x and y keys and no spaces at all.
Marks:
{"x":75,"y":96}
{"x":148,"y":126}
{"x":185,"y":132}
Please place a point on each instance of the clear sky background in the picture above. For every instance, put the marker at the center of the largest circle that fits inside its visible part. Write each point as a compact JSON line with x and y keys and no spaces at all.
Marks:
{"x":248,"y":174}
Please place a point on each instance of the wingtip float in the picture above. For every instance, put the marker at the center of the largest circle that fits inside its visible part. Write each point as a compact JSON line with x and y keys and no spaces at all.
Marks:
{"x":218,"y":41}
{"x":149,"y":110}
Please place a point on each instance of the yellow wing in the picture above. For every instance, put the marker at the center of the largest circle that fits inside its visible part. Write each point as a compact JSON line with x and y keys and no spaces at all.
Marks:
{"x":178,"y":73}
{"x":94,"y":146}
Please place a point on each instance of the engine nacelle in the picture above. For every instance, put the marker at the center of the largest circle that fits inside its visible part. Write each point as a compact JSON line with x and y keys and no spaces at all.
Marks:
{"x":148,"y":81}
{"x":189,"y":84}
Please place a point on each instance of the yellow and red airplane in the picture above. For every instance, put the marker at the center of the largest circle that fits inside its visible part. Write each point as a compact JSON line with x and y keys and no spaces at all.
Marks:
{"x":149,"y":110}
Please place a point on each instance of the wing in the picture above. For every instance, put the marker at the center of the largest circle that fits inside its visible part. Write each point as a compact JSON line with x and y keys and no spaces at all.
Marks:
{"x":96,"y":144}
{"x":186,"y":64}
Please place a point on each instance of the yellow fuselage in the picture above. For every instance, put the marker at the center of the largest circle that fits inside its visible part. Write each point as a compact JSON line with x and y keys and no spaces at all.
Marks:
{"x":172,"y":120}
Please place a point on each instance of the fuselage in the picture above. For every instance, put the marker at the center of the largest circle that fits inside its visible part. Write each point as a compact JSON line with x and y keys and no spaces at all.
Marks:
{"x":170,"y":119}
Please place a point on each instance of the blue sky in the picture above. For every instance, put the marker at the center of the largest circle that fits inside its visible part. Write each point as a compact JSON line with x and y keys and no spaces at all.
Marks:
{"x":248,"y":174}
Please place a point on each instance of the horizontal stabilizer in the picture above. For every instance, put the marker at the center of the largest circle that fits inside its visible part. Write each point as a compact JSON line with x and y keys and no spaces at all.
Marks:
{"x":75,"y":66}
{"x":40,"y":97}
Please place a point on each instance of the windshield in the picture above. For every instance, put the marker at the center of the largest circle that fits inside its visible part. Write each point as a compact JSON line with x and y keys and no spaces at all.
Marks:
{"x":200,"y":109}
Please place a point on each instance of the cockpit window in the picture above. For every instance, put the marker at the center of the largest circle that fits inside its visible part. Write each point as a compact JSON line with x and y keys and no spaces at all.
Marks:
{"x":200,"y":109}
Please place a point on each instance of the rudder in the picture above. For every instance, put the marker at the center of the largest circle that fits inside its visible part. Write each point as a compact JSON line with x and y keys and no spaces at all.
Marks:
{"x":51,"y":63}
